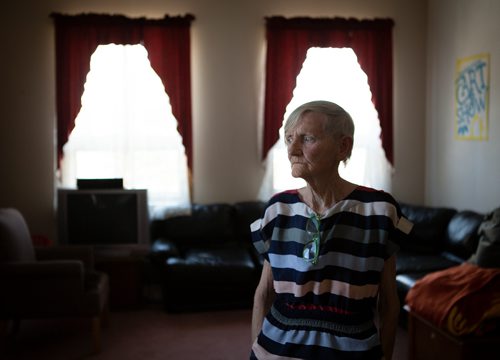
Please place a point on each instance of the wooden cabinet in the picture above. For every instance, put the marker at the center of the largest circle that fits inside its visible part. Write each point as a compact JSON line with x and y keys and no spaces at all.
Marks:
{"x":125,"y":269}
{"x":427,"y":342}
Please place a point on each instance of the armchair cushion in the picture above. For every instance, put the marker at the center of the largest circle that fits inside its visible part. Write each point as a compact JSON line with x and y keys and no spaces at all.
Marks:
{"x":84,"y":254}
{"x":40,"y":289}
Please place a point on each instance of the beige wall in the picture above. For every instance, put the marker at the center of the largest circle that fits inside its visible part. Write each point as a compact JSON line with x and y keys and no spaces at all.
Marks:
{"x":228,"y":40}
{"x":462,"y":174}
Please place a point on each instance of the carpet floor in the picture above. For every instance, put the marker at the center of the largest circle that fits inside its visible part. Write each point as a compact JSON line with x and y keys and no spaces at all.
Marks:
{"x":148,"y":333}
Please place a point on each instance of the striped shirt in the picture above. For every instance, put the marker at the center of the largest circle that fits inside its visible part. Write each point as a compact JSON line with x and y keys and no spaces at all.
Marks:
{"x":324,"y":305}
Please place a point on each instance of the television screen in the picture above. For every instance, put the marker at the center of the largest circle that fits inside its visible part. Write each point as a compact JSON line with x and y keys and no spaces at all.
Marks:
{"x":103,"y":217}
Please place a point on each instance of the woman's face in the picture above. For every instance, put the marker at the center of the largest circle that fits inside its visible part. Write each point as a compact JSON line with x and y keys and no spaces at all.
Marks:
{"x":313,"y":152}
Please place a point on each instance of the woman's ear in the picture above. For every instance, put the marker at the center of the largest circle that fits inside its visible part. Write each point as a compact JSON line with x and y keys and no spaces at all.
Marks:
{"x":345,"y":147}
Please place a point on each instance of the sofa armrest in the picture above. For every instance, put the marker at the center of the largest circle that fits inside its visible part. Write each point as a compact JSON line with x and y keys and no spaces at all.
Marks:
{"x":161,"y":250}
{"x":164,"y":248}
{"x":462,"y":235}
{"x":430,"y":226}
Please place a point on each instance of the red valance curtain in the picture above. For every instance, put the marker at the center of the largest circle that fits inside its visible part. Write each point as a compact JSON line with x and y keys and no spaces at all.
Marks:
{"x":287,"y":43}
{"x":167,"y":41}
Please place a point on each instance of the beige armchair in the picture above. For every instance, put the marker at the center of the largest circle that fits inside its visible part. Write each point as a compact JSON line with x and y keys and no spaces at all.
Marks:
{"x":47,"y":282}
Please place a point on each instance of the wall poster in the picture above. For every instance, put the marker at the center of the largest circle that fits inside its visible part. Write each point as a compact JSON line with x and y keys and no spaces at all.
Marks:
{"x":472,"y":90}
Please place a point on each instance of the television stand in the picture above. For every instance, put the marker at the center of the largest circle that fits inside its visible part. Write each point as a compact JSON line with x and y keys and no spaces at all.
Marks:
{"x":125,"y":268}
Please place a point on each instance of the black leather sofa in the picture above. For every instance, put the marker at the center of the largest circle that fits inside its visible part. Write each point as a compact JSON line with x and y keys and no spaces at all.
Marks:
{"x":440,"y":238}
{"x":206,"y":260}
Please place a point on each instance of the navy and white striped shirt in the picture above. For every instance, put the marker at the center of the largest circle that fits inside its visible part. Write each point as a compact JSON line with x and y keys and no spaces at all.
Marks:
{"x":325,"y":309}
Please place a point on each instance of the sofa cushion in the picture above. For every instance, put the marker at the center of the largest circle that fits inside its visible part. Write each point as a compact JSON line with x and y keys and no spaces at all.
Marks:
{"x":208,"y":225}
{"x":225,"y":266}
{"x":429,"y":228}
{"x":221,"y":277}
{"x":411,"y":262}
{"x":462,"y":237}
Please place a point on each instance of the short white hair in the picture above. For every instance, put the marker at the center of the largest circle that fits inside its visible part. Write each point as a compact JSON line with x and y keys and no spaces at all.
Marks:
{"x":339,"y":122}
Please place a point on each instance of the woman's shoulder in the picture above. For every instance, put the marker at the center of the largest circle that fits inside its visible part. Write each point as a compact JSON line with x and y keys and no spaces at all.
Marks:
{"x":368,"y":194}
{"x":285,"y":197}
{"x":285,"y":203}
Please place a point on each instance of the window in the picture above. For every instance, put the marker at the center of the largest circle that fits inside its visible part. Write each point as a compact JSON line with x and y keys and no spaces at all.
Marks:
{"x":126,"y":129}
{"x":334,"y":74}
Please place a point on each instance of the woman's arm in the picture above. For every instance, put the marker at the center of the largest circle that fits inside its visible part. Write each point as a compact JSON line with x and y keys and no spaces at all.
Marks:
{"x":263,"y":299}
{"x":388,"y":307}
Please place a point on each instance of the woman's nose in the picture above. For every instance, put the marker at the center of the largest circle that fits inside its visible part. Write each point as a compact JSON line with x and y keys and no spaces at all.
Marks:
{"x":293,"y":146}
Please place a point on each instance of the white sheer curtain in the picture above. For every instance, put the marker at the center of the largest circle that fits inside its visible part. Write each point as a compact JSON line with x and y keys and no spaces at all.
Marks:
{"x":334,"y":74}
{"x":126,"y":129}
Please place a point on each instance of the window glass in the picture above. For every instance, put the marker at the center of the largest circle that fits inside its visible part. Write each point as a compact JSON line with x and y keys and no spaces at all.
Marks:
{"x":334,"y":74}
{"x":126,"y":129}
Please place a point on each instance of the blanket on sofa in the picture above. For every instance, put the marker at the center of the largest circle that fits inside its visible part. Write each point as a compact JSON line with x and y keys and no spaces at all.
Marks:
{"x":459,"y":299}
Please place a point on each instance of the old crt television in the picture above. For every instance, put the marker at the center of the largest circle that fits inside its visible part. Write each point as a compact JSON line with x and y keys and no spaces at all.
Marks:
{"x":103,"y":217}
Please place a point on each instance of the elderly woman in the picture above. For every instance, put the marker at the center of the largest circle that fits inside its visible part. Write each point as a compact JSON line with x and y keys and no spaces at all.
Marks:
{"x":329,"y":250}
